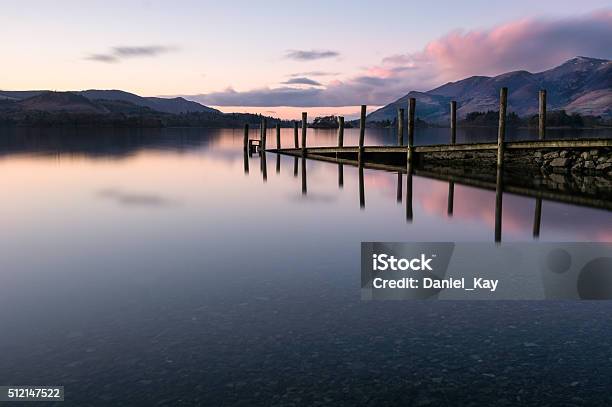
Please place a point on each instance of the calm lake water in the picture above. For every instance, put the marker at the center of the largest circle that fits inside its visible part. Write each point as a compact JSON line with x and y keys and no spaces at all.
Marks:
{"x":146,"y":267}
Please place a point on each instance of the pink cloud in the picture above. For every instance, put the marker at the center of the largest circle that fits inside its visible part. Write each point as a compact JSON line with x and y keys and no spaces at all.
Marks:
{"x":529,"y":44}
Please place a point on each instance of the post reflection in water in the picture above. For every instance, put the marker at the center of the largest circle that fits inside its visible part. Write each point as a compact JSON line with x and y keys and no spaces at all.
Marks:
{"x":399,"y":187}
{"x":246,"y":162}
{"x":537,"y":218}
{"x":361,"y":187}
{"x":264,"y":167}
{"x":451,"y":198}
{"x":409,"y":214}
{"x":295,"y":166}
{"x":304,"y":187}
{"x":498,"y":204}
{"x":500,"y":185}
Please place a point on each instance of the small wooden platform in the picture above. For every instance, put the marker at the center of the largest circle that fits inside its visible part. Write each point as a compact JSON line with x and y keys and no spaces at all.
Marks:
{"x":254,"y":145}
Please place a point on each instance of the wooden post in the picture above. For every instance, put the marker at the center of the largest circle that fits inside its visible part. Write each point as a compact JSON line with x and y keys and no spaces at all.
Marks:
{"x":501,"y":131}
{"x":498,"y":204}
{"x":400,"y":127}
{"x":278,"y":141}
{"x":411,"y":109}
{"x":295,"y":166}
{"x":410,"y":158}
{"x":362,"y":124}
{"x":296,"y":141}
{"x":245,"y":141}
{"x":264,"y":134}
{"x":304,"y":128}
{"x":542,"y":126}
{"x":277,"y":163}
{"x":246,"y":162}
{"x":453,"y":121}
{"x":340,"y":131}
{"x":451,"y":198}
{"x":537,"y":218}
{"x":340,"y":175}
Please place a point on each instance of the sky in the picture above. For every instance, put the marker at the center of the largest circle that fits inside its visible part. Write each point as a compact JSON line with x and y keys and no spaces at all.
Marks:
{"x":280,"y":57}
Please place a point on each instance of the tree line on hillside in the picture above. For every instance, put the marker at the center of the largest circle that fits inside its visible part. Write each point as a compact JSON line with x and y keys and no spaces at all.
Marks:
{"x":145,"y":118}
{"x":134,"y":116}
{"x":556,"y":118}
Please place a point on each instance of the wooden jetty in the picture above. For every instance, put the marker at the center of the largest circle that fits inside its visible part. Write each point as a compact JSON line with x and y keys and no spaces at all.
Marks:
{"x":405,"y":157}
{"x":402,"y":154}
{"x":388,"y":154}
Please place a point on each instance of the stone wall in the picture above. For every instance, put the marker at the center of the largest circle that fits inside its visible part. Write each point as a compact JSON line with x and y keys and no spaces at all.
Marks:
{"x":585,"y":161}
{"x":588,"y":160}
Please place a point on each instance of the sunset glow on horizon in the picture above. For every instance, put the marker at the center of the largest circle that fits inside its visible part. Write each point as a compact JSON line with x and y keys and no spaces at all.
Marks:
{"x":248,"y":58}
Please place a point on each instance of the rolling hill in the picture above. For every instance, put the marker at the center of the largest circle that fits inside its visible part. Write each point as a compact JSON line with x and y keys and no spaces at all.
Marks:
{"x":60,"y":102}
{"x":171,"y":105}
{"x":111,"y":109}
{"x":175,"y":105}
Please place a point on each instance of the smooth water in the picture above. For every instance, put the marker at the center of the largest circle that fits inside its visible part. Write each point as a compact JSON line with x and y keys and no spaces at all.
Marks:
{"x":147,"y":267}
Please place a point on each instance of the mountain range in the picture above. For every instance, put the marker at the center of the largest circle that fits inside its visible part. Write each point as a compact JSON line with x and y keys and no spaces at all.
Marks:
{"x":581,"y":85}
{"x":93,"y":101}
{"x":114,"y":108}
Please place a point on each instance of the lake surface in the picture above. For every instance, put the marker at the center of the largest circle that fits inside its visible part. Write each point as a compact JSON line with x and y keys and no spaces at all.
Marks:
{"x":147,"y":267}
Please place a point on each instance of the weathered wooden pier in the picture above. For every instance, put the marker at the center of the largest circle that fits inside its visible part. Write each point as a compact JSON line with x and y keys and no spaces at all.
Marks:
{"x":440,"y":161}
{"x":384,"y":155}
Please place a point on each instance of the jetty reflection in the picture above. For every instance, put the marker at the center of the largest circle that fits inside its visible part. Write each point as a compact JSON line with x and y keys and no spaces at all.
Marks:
{"x":304,"y":186}
{"x":502,"y":183}
{"x":409,"y":214}
{"x":451,"y":198}
{"x":361,"y":188}
{"x":264,"y":167}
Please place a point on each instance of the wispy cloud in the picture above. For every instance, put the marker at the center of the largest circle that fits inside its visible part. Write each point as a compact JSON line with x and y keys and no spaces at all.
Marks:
{"x":314,"y":73}
{"x":283,"y":96}
{"x":116,"y":54}
{"x":146,"y":51}
{"x":311,"y":55}
{"x":302,"y":81}
{"x":102,"y":58}
{"x":531,"y":44}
